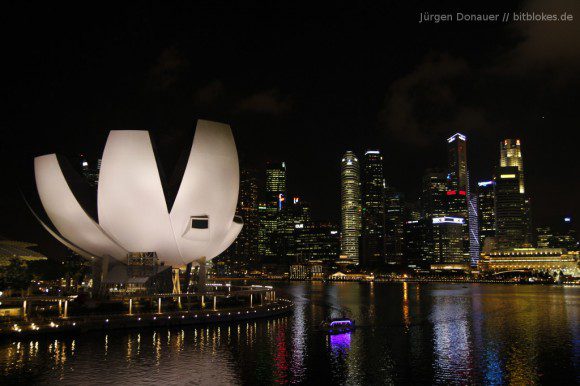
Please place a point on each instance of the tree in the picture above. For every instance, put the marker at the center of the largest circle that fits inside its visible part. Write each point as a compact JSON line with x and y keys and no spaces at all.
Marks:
{"x":15,"y":276}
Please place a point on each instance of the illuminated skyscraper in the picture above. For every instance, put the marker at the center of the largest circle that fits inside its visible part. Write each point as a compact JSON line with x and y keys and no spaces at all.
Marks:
{"x":373,"y":209}
{"x":486,"y":211}
{"x":458,"y":185}
{"x":511,"y":155}
{"x":448,"y":240}
{"x":434,"y":194}
{"x":510,"y":221}
{"x":276,"y":183}
{"x":269,"y":212}
{"x":457,"y":151}
{"x":350,"y":196}
{"x":394,"y":227}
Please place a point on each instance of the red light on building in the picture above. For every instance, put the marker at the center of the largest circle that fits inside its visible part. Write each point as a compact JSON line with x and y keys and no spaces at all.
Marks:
{"x":451,"y":192}
{"x":462,"y":193}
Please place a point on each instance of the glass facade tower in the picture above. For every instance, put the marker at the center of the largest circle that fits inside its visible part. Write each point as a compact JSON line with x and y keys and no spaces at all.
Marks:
{"x":350,"y":195}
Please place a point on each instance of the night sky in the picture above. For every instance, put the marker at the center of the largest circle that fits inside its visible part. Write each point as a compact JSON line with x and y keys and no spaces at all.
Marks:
{"x":295,"y":85}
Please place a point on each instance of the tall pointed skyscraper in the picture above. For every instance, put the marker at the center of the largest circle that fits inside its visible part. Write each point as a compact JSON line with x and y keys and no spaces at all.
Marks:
{"x":373,"y":204}
{"x":458,"y":185}
{"x":350,"y":196}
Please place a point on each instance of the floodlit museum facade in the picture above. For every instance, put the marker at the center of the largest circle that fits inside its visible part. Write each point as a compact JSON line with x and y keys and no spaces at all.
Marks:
{"x":133,"y":216}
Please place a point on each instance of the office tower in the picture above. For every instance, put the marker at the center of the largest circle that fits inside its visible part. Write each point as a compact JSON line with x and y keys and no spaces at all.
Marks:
{"x":543,"y":236}
{"x":394,"y":227}
{"x":511,"y":155}
{"x":267,"y":230}
{"x":434,"y":194}
{"x":565,"y":236}
{"x":276,"y":183}
{"x":293,"y":219}
{"x":457,"y":152}
{"x":416,"y":247}
{"x":350,"y":196}
{"x":448,"y":240}
{"x":319,"y":241}
{"x":486,"y":210}
{"x":373,"y":209}
{"x":412,"y":211}
{"x":510,"y":221}
{"x":246,"y":245}
{"x":458,"y":185}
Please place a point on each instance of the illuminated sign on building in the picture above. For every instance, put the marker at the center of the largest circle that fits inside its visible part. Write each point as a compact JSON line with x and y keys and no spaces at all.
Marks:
{"x":507,"y":176}
{"x":448,"y":220}
{"x":567,"y":219}
{"x":281,"y":199}
{"x":484,"y":183}
{"x":295,"y":200}
{"x":372,"y":152}
{"x":299,"y":226}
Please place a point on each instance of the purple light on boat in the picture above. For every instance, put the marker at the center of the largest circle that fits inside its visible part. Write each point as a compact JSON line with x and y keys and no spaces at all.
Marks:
{"x":340,"y":341}
{"x":340,"y":323}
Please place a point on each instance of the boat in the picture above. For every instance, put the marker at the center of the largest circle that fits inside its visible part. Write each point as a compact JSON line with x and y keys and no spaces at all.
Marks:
{"x":338,"y":326}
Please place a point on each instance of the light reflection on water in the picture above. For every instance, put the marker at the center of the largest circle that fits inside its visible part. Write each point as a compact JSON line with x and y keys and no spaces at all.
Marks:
{"x":432,"y":333}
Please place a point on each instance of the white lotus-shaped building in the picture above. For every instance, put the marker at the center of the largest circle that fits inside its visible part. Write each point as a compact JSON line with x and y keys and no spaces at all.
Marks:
{"x":133,"y":213}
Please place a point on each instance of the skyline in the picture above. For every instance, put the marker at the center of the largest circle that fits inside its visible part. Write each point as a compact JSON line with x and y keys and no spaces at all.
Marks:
{"x":367,"y":89}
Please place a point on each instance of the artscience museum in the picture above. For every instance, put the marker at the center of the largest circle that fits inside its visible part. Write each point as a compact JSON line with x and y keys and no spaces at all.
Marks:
{"x":134,"y":218}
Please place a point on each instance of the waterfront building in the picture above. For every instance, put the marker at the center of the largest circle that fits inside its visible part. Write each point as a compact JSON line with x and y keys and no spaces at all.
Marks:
{"x":565,"y":236}
{"x":552,"y":260}
{"x":417,"y":243}
{"x":373,"y":210}
{"x":134,"y":213}
{"x":319,"y":241}
{"x":394,"y":227}
{"x":299,"y":272}
{"x":511,"y":225}
{"x":351,"y":207}
{"x":448,"y":240}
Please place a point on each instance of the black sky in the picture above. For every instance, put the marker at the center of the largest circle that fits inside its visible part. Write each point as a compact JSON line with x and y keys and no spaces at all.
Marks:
{"x":295,"y":85}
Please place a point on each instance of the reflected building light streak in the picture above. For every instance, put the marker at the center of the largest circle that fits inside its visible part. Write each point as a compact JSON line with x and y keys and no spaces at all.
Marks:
{"x":452,"y":341}
{"x":406,"y":317}
{"x":281,"y":357}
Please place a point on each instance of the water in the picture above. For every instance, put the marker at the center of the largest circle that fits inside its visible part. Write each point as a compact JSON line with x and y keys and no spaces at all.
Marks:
{"x":410,"y":333}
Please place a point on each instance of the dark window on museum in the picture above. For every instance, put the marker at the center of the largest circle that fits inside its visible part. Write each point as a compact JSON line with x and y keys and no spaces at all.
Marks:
{"x":200,"y":223}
